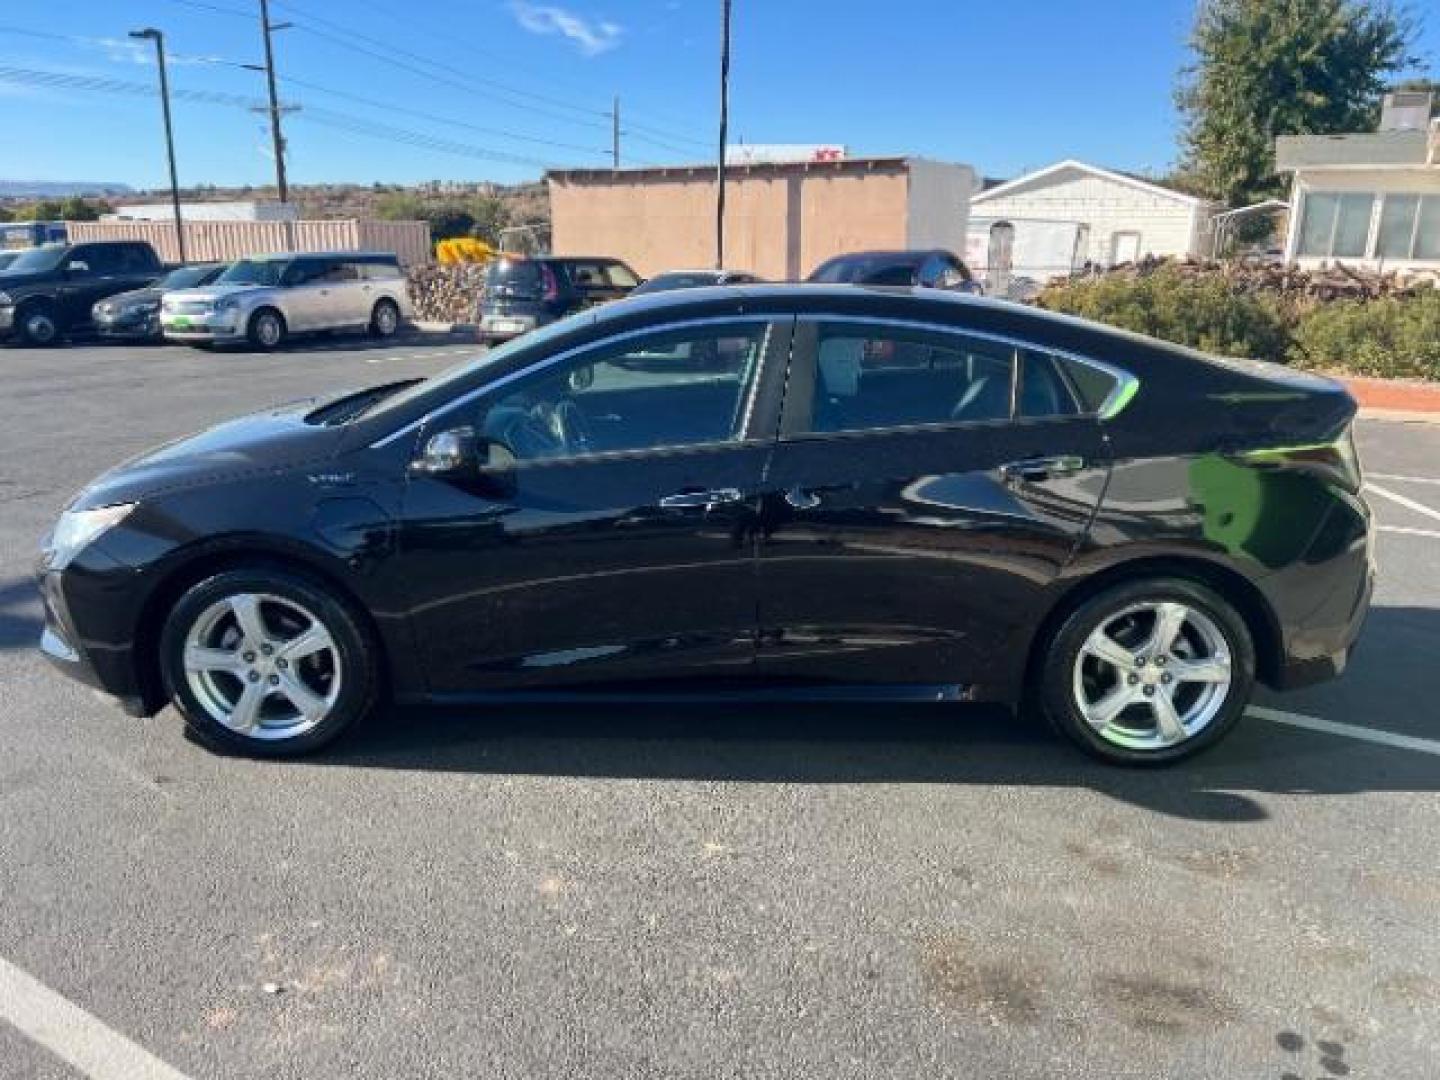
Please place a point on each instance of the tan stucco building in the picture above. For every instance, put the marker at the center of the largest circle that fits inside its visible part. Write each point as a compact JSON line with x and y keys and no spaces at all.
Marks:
{"x":782,"y":219}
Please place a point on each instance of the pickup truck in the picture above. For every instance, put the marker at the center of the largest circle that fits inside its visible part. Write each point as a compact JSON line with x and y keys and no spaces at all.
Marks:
{"x":49,"y":291}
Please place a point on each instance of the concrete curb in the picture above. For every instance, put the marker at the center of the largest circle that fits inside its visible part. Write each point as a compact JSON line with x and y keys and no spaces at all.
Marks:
{"x":1411,"y":398}
{"x":444,"y":327}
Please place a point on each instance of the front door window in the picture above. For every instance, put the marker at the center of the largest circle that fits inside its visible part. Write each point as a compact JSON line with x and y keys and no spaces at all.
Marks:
{"x":673,"y":388}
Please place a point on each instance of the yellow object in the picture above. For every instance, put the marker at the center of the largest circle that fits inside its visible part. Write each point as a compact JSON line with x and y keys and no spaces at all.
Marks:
{"x":463,"y":249}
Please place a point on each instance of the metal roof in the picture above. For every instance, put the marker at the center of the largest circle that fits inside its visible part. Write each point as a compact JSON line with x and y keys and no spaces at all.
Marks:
{"x":1355,"y":150}
{"x":661,"y":172}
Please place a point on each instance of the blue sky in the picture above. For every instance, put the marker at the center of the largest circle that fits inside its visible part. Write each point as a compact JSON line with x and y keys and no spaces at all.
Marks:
{"x":1004,"y":87}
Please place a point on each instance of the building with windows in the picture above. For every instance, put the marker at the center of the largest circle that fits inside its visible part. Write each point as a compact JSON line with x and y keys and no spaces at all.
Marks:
{"x":1072,"y":213}
{"x":1370,"y":199}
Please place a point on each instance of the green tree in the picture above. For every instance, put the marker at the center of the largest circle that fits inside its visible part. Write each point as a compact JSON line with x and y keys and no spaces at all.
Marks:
{"x":1264,"y":68}
{"x":490,"y":214}
{"x":400,"y":206}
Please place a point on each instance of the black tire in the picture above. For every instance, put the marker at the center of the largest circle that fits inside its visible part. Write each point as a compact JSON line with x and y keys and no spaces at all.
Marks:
{"x":258,"y":329}
{"x":384,"y":319}
{"x":1057,"y":692}
{"x":37,"y":325}
{"x":356,"y":659}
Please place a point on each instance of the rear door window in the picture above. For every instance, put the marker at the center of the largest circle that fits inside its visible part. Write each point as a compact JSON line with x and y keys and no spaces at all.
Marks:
{"x":870,"y":377}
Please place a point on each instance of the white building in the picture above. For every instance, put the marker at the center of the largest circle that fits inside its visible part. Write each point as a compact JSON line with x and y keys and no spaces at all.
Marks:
{"x":1110,"y":217}
{"x":257,"y":210}
{"x":1369,"y":199}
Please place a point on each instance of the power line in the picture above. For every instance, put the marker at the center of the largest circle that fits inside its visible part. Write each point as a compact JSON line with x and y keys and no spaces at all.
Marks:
{"x":61,"y":80}
{"x":216,"y":9}
{"x":445,"y":74}
{"x":449,"y":121}
{"x":508,"y":89}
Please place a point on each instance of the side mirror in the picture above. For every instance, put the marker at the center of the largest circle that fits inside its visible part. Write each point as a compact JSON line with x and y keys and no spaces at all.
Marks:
{"x":460,"y":454}
{"x":448,"y":453}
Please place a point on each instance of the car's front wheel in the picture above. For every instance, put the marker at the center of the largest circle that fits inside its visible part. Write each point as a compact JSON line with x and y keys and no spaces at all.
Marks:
{"x":267,"y":662}
{"x":1149,"y":671}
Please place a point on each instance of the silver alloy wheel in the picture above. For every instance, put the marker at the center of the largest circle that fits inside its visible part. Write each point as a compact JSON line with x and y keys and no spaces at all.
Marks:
{"x":40,"y":328}
{"x":262,"y":665}
{"x":387,"y":318}
{"x":267,"y":329}
{"x":1152,"y":675}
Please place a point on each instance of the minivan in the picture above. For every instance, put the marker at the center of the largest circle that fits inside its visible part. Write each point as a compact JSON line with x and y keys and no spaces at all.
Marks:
{"x":265,"y":299}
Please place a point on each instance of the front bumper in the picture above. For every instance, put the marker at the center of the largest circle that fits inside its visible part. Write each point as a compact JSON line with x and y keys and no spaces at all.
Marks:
{"x":211,"y":327}
{"x":127,"y":326}
{"x":106,"y":667}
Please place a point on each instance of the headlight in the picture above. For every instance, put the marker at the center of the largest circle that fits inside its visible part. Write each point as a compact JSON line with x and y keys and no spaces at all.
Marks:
{"x":226,"y":303}
{"x":76,"y":529}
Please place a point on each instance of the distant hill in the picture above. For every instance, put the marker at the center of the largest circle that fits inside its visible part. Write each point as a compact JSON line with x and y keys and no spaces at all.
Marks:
{"x":35,"y":189}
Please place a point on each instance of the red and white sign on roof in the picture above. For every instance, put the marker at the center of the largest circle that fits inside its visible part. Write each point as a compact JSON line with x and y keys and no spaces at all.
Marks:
{"x":783,"y":153}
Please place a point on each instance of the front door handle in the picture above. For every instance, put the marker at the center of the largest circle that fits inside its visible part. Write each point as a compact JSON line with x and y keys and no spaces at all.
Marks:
{"x":1042,"y":468}
{"x":706,"y":500}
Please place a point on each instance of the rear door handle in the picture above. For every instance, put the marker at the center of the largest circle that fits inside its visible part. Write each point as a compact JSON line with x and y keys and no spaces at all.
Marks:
{"x":1042,"y":468}
{"x":707,"y":500}
{"x":800,"y":499}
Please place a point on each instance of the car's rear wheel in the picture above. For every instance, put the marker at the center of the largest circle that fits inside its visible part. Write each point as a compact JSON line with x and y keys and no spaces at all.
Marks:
{"x":1149,"y":671}
{"x":37,"y":325}
{"x":384,"y":319}
{"x":267,"y":662}
{"x":266,"y":329}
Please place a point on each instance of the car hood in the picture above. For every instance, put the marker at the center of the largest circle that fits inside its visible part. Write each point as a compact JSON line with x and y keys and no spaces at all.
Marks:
{"x":134,"y":296}
{"x":210,"y":293}
{"x":269,"y":441}
{"x":10,"y":280}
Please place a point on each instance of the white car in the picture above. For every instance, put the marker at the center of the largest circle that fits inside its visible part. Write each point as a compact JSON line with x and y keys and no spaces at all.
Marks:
{"x":265,"y":299}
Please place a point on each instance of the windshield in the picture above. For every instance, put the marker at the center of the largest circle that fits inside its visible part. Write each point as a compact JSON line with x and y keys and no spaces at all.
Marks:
{"x":254,"y":272}
{"x":37,"y":260}
{"x":186,"y":277}
{"x":466,"y":368}
{"x":870,"y":270}
{"x":667,"y":282}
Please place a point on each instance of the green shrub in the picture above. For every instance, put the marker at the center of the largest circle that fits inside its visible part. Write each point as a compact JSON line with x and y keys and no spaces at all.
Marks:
{"x":1391,"y":337}
{"x":1206,"y":312}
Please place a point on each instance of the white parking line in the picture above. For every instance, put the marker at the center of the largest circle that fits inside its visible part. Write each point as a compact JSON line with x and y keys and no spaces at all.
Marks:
{"x":1406,"y":531}
{"x":1408,"y":503}
{"x":1402,"y":479}
{"x":72,"y":1034}
{"x":1348,"y":731}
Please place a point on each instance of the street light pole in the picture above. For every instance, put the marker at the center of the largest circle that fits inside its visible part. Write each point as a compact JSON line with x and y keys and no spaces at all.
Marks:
{"x":151,"y":34}
{"x":724,"y":130}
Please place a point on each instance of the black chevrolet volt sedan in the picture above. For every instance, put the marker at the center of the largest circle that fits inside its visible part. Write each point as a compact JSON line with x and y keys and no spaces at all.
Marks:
{"x":909,"y":490}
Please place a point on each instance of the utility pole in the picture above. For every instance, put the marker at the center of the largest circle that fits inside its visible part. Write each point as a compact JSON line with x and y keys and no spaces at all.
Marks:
{"x":615,"y":134}
{"x":724,"y":128}
{"x":278,"y":140}
{"x":151,"y":34}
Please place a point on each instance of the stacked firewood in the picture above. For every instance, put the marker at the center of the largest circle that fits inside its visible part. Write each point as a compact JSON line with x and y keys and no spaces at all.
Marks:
{"x":1333,"y":281}
{"x":446,"y":293}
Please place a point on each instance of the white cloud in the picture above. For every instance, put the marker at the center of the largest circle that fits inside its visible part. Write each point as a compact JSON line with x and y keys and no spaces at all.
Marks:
{"x":591,"y":37}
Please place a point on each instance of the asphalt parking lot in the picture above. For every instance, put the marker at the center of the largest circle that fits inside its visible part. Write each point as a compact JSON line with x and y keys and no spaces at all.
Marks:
{"x":837,"y":891}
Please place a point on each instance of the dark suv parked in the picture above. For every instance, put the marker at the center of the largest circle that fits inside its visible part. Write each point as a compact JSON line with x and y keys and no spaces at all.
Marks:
{"x":50,"y":291}
{"x":521,"y":294}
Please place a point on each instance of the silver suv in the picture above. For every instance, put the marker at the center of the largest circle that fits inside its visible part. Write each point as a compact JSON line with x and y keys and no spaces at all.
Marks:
{"x":265,"y":299}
